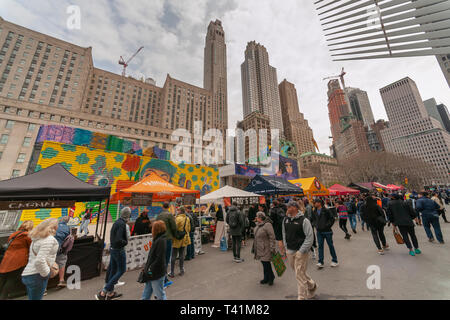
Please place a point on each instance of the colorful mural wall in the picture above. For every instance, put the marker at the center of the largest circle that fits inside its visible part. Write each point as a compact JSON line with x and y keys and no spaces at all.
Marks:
{"x":81,"y":137}
{"x":286,"y":169}
{"x":110,"y":169}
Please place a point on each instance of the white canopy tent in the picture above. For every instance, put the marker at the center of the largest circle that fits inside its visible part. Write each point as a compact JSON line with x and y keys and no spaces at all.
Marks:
{"x":225,"y":192}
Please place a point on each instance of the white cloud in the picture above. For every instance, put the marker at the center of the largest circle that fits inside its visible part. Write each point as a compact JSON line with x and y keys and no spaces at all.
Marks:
{"x":290,"y":31}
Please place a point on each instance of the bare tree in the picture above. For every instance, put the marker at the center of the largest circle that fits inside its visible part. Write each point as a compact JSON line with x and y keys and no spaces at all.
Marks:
{"x":387,"y":168}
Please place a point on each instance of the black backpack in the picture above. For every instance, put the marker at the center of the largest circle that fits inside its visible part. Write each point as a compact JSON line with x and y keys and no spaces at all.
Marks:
{"x":234,"y":220}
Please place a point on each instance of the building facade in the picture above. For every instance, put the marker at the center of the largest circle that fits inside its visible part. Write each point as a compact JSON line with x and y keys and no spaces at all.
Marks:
{"x":444,"y":63}
{"x":260,"y":85}
{"x":337,"y":107}
{"x":296,"y":127}
{"x":412,"y":131}
{"x":437,"y":112}
{"x":215,"y":73}
{"x":251,"y":126}
{"x":445,"y":116}
{"x":360,"y":105}
{"x":322,"y":166}
{"x":44,"y":80}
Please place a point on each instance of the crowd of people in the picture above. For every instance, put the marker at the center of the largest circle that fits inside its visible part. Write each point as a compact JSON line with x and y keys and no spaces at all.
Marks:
{"x":296,"y":228}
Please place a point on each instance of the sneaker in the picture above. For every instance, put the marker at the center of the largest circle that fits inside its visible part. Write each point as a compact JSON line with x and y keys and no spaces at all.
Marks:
{"x":386,"y":248}
{"x":441,"y":242}
{"x":263,"y":281}
{"x":313,"y":253}
{"x":411,"y":253}
{"x":114,"y":296}
{"x":62,"y":284}
{"x":417,"y":251}
{"x":45,"y":292}
{"x":381,"y":252}
{"x":431,"y":240}
{"x":168,"y":283}
{"x":236,"y":260}
{"x":119,"y":284}
{"x":99,"y":296}
{"x":354,"y":230}
{"x":182,"y":273}
{"x":270,"y":282}
{"x":334,"y":264}
{"x":319,"y":265}
{"x":171,"y":275}
{"x":187,"y":259}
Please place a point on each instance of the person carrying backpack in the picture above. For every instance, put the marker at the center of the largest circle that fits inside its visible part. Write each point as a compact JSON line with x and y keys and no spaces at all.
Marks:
{"x":235,"y":220}
{"x":65,"y":241}
{"x":351,"y":207}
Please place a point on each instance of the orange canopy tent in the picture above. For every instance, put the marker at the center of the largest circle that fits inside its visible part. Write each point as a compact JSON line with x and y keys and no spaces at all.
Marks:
{"x":160,"y":188}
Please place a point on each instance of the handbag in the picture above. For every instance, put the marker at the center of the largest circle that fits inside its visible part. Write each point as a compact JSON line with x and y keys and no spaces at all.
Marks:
{"x":54,"y":268}
{"x":144,"y":277}
{"x":4,"y":248}
{"x":278,"y":264}
{"x":398,"y":237}
{"x":179,"y":235}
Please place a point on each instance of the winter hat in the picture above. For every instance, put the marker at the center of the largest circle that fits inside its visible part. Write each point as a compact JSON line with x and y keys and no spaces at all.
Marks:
{"x":261,"y":215}
{"x":293,"y":204}
{"x":125,"y":213}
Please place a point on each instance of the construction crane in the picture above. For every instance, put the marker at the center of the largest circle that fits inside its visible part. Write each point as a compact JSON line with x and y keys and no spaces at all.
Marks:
{"x":125,"y":64}
{"x":341,"y":76}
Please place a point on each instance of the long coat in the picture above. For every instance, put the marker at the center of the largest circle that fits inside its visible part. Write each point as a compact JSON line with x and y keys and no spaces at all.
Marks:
{"x":264,"y":244}
{"x":180,"y":221}
{"x":16,"y":256}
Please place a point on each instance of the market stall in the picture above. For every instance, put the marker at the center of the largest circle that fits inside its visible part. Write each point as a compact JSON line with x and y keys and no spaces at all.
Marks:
{"x":151,"y":189}
{"x":55,"y":187}
{"x":364,"y":187}
{"x":340,"y":190}
{"x":311,"y":187}
{"x":226,"y":196}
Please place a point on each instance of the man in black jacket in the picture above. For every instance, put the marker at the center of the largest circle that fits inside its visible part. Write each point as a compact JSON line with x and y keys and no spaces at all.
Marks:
{"x":323,"y":220}
{"x":118,"y":259}
{"x":277,"y":215}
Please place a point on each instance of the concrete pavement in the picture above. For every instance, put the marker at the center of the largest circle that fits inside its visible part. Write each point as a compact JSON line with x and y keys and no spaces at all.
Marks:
{"x":214,"y":276}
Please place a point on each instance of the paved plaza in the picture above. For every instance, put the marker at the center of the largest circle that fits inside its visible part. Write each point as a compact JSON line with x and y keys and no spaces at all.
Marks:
{"x":214,"y":276}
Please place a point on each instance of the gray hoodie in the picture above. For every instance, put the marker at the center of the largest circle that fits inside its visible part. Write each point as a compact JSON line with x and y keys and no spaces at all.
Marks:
{"x":237,"y":231}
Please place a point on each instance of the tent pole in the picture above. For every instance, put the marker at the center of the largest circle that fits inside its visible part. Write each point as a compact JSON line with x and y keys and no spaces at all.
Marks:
{"x":98,"y":217}
{"x":105,"y":219}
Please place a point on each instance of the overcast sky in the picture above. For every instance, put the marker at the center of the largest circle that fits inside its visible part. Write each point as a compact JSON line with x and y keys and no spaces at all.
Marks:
{"x":173,"y":34}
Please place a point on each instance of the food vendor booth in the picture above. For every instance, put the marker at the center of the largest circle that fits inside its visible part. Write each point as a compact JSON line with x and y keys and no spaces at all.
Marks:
{"x":55,"y":187}
{"x":311,"y":187}
{"x":340,"y":190}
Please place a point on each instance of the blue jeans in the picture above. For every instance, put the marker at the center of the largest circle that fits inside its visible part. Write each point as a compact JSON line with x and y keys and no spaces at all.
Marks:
{"x":328,"y":236}
{"x":190,"y":251}
{"x":36,"y":285}
{"x":428,"y":220}
{"x":168,"y":255}
{"x":352,"y":219}
{"x":155,"y":286}
{"x":117,"y":267}
{"x":84,"y":227}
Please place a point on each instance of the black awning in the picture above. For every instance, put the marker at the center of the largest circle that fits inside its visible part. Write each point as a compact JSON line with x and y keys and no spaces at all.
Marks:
{"x":267,"y":185}
{"x":54,"y":183}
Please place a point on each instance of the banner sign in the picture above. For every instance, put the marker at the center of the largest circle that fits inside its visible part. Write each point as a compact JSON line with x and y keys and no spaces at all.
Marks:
{"x":36,"y":204}
{"x":141,"y":199}
{"x":243,"y":201}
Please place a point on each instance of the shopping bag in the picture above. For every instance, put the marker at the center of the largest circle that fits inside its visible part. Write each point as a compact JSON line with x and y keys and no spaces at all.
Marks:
{"x":398,"y":237}
{"x":278,"y":264}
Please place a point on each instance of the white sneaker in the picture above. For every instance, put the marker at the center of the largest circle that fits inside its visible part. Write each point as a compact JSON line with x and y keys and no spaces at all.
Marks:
{"x":119,"y":284}
{"x":314,"y":254}
{"x":334,"y":264}
{"x":319,"y":265}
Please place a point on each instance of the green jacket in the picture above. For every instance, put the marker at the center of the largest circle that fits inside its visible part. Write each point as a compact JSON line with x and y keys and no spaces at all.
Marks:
{"x":169,"y":220}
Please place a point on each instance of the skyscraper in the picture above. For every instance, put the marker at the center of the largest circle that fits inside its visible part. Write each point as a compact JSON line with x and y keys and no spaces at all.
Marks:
{"x":444,"y":63}
{"x":260,"y":85}
{"x":438,"y":112}
{"x":412,"y":131}
{"x":443,"y":112}
{"x":215,"y":73}
{"x":337,"y":107}
{"x":296,"y":128}
{"x":360,"y":105}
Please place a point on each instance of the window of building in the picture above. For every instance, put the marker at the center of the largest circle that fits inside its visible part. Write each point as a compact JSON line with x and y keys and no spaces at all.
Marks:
{"x":26,"y":142}
{"x":4,"y":139}
{"x":9,"y":124}
{"x":15,"y":173}
{"x":21,"y":158}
